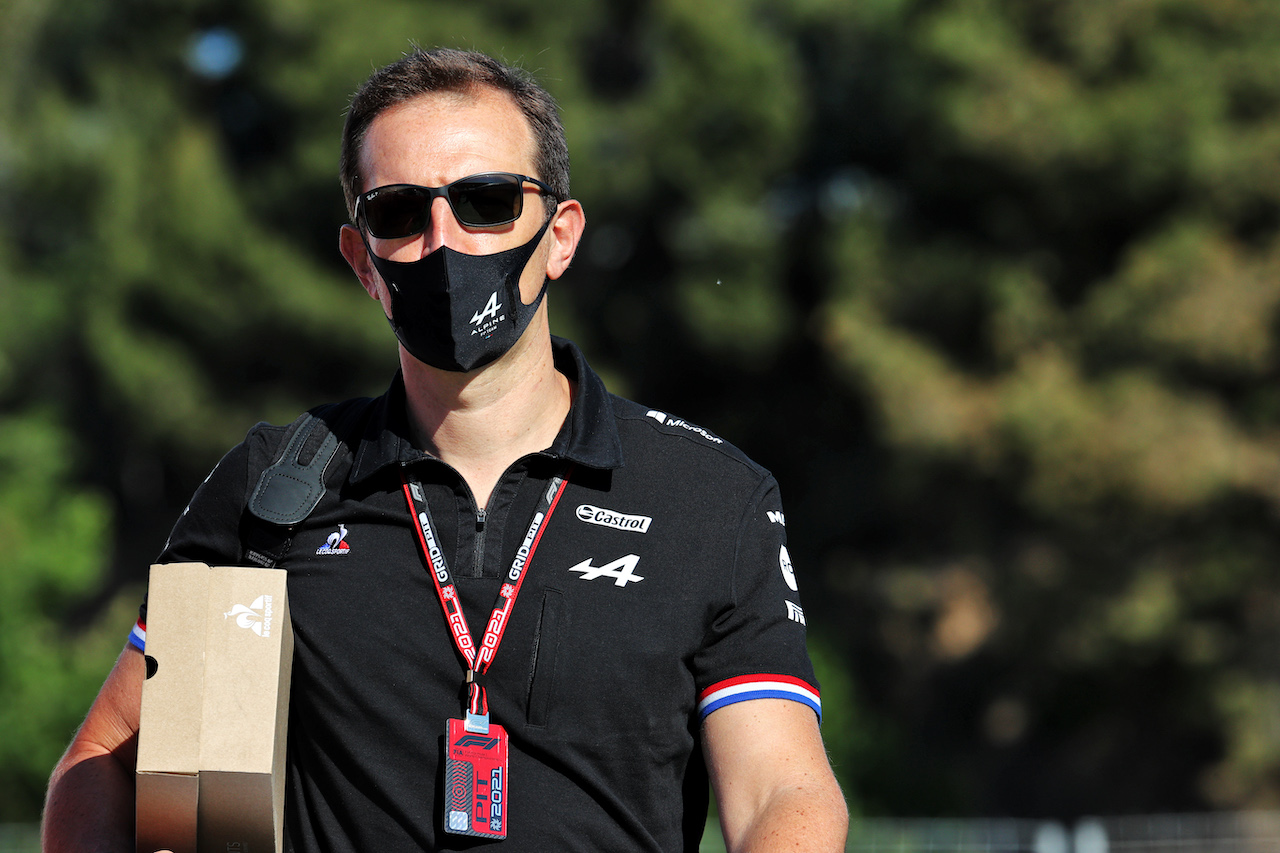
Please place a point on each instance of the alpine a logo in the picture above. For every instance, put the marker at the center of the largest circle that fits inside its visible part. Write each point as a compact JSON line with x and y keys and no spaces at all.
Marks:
{"x":608,"y":518}
{"x":257,"y":617}
{"x":667,"y":420}
{"x":490,"y":311}
{"x":622,"y":570}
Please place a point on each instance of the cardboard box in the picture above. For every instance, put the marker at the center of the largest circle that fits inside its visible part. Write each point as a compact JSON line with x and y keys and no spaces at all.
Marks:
{"x":215,"y":709}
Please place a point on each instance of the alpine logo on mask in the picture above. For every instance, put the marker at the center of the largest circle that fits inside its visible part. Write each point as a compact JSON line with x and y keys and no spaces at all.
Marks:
{"x":491,"y":309}
{"x":430,"y":297}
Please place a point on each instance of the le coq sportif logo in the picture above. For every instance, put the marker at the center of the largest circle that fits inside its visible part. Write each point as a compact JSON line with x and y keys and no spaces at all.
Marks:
{"x":257,"y":617}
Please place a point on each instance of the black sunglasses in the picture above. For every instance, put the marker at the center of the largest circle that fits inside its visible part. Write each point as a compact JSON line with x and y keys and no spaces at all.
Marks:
{"x":478,"y":201}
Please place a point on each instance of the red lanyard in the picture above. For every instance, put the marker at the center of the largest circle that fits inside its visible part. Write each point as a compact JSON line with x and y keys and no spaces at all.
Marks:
{"x":478,"y":661}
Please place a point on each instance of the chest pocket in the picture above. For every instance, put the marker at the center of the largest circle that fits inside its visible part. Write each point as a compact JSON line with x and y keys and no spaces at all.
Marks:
{"x":543,"y":661}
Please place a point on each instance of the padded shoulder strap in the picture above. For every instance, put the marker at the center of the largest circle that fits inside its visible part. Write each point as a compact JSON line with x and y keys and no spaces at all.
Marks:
{"x":288,"y":490}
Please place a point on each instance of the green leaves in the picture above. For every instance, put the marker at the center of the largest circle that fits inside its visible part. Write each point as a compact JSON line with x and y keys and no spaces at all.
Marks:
{"x":55,"y":537}
{"x":991,"y":286}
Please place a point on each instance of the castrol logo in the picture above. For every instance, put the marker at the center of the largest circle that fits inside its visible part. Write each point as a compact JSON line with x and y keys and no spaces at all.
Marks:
{"x":617,"y":520}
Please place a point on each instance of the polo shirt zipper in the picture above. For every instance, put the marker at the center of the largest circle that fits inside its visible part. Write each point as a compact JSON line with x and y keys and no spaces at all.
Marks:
{"x":478,"y":554}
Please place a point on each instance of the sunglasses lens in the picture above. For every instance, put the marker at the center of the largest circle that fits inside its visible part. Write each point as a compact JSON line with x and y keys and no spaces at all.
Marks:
{"x":397,"y":212}
{"x":486,"y":200}
{"x":481,"y":201}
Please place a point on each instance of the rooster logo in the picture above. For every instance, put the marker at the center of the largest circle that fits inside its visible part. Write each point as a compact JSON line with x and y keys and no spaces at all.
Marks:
{"x":250,"y":617}
{"x":336,"y":543}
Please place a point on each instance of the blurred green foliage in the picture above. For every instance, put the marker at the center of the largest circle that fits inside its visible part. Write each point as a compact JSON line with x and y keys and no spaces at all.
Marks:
{"x":991,"y":285}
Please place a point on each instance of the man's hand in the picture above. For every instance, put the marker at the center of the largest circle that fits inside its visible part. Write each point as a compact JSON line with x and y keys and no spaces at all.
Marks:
{"x":773,"y":783}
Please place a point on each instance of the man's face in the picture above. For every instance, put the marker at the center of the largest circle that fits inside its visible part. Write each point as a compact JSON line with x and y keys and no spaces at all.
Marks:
{"x":438,"y":138}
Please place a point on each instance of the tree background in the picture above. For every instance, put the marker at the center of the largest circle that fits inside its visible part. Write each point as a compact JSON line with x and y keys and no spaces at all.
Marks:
{"x":990,"y":285}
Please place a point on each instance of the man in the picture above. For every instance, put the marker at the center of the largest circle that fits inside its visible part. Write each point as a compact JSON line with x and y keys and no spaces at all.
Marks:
{"x":650,"y":634}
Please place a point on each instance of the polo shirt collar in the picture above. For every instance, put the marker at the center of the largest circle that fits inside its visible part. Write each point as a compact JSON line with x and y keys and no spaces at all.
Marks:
{"x":589,"y":435}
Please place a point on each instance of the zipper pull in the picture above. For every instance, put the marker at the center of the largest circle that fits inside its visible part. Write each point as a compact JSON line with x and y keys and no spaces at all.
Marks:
{"x":480,"y":517}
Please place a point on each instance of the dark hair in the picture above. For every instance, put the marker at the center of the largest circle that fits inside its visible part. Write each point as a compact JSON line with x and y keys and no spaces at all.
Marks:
{"x":422,"y":72}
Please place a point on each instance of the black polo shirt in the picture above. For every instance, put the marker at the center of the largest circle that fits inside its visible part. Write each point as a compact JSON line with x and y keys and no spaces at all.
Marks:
{"x":661,"y":589}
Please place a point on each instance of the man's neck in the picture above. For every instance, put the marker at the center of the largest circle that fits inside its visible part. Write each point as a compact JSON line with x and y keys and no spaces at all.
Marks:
{"x":481,"y":423}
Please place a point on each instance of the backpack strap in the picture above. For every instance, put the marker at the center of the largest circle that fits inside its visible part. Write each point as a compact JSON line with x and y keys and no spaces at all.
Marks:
{"x":287,"y":491}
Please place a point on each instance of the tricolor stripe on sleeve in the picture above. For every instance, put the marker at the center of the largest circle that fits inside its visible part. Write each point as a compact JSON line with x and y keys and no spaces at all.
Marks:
{"x":138,"y":636}
{"x":763,"y":686}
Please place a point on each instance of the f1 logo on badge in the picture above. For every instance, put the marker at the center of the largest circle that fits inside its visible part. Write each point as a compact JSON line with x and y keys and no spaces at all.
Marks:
{"x":477,"y":740}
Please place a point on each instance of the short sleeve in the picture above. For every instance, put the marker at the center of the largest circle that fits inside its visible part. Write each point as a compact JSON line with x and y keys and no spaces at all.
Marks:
{"x":208,"y":531}
{"x":755,"y":647}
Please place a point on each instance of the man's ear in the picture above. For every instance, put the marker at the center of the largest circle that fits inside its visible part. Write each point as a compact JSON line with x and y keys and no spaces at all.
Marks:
{"x":357,"y":255}
{"x":566,"y":233}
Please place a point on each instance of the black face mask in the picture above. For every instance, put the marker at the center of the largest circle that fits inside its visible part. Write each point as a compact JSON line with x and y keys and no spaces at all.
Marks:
{"x":456,"y":311}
